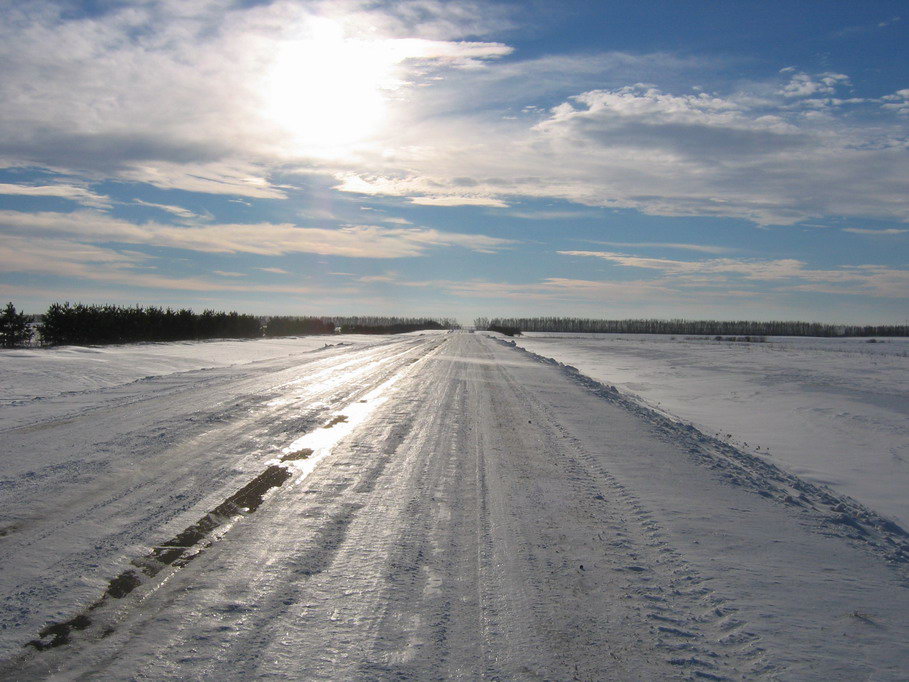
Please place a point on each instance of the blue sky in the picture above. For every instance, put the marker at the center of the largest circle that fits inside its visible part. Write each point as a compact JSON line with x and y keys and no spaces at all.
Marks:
{"x":669,"y":159}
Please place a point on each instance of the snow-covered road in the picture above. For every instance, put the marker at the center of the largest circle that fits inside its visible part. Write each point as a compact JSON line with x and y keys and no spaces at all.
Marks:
{"x":423,"y":507}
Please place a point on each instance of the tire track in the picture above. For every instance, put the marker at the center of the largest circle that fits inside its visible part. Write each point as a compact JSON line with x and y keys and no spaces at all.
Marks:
{"x":833,"y":515}
{"x":695,"y":628}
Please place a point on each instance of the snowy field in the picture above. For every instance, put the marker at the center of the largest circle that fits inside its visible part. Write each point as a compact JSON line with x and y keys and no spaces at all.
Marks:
{"x":832,"y":411}
{"x":37,"y":374}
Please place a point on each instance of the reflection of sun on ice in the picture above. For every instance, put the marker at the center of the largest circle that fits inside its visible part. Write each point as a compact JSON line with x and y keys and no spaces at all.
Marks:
{"x":326,"y":91}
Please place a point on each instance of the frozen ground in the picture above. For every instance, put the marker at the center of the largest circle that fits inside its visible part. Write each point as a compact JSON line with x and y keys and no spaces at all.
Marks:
{"x":421,"y":507}
{"x":833,"y":411}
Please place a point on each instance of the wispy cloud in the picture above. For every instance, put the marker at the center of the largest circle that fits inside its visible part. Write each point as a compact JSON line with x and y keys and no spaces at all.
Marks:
{"x":270,"y":239}
{"x":452,"y":124}
{"x":421,"y":106}
{"x":551,"y":215}
{"x":865,"y":28}
{"x":872,"y":280}
{"x":550,"y":288}
{"x":416,"y":190}
{"x":884,"y":231}
{"x":218,"y":125}
{"x":64,"y":258}
{"x":228,"y":176}
{"x":702,"y":248}
{"x":178,"y":211}
{"x":769,"y":155}
{"x":75,"y":193}
{"x":386,"y":277}
{"x":457,"y":200}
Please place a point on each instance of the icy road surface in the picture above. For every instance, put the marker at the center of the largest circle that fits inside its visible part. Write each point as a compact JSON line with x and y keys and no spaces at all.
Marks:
{"x":422,"y":507}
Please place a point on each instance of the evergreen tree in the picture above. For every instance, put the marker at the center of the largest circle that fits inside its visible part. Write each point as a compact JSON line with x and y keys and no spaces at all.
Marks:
{"x":97,"y":324}
{"x":14,"y":327}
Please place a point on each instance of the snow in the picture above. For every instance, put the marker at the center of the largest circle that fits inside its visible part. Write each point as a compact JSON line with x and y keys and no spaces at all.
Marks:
{"x":442,"y":506}
{"x":29,"y":374}
{"x":109,"y":448}
{"x":832,"y":411}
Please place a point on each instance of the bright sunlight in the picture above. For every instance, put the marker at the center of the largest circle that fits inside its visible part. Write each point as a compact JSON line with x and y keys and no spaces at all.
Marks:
{"x":327,"y":91}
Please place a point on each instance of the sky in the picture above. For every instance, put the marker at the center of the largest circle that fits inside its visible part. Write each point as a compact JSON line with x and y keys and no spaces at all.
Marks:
{"x":732,"y":160}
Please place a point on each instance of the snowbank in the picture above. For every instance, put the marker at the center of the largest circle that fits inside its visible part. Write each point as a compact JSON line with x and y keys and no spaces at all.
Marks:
{"x":833,"y":411}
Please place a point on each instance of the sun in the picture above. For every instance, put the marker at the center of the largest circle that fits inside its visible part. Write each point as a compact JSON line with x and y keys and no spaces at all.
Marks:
{"x":327,"y":92}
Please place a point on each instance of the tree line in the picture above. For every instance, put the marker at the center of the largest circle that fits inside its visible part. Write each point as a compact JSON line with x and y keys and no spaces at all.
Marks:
{"x":357,"y":324}
{"x":286,"y":325}
{"x":369,"y":324}
{"x":80,"y":324}
{"x":512,"y":325}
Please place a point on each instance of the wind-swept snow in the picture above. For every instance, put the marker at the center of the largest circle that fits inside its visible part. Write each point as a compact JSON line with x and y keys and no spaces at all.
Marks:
{"x":483,"y":514}
{"x":87,"y":478}
{"x":30,"y":374}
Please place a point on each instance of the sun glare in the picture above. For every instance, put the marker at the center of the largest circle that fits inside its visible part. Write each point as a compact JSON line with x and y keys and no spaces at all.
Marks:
{"x":327,"y":92}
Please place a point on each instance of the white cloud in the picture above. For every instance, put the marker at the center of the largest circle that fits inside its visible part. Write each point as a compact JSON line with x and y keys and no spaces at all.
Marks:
{"x":865,"y":28}
{"x":182,"y":95}
{"x":702,"y":248}
{"x":886,"y":231}
{"x":449,"y":122}
{"x":458,"y":200}
{"x":270,"y":239}
{"x":66,"y":258}
{"x":750,"y":269}
{"x":75,"y":193}
{"x":550,"y":288}
{"x":386,"y":277}
{"x":551,"y":215}
{"x":898,"y":102}
{"x":71,"y":259}
{"x":737,"y":155}
{"x":178,"y":211}
{"x":235,"y":178}
{"x":872,"y":280}
{"x":804,"y":85}
{"x":643,"y":103}
{"x":417,"y":190}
